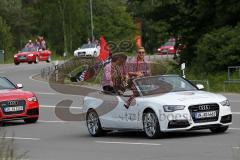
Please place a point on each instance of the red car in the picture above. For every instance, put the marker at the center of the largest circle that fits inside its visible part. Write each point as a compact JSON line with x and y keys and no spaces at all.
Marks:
{"x":168,"y":47}
{"x":16,"y":104}
{"x":30,"y":55}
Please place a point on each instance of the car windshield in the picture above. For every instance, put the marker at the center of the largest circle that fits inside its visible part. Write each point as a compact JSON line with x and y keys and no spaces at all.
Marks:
{"x":6,"y":84}
{"x":163,"y":84}
{"x":169,"y":44}
{"x":88,"y":46}
{"x":29,"y":49}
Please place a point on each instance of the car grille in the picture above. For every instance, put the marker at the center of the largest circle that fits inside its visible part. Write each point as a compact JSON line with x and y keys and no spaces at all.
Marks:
{"x":12,"y":103}
{"x":81,"y":53}
{"x":197,"y":109}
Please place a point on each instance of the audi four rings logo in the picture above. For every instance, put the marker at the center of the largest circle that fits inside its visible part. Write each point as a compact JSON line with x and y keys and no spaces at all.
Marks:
{"x":13,"y":103}
{"x":204,"y":107}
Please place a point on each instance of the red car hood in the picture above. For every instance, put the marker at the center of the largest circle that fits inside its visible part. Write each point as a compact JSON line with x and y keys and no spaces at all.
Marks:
{"x":23,"y":53}
{"x":11,"y":94}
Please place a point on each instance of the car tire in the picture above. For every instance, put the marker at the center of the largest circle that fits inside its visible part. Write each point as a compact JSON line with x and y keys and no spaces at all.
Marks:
{"x":30,"y":120}
{"x":16,"y":63}
{"x":219,"y":129}
{"x":151,"y":125}
{"x":49,"y":59}
{"x":29,"y":62}
{"x":36,"y":60}
{"x":93,"y":124}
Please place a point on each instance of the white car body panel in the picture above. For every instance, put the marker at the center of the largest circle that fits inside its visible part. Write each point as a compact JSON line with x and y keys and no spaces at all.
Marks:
{"x":91,"y":52}
{"x":122,"y":118}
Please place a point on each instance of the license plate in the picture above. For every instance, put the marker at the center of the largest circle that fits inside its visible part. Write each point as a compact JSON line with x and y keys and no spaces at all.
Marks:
{"x":14,"y":109}
{"x":201,"y":115}
{"x":22,"y":58}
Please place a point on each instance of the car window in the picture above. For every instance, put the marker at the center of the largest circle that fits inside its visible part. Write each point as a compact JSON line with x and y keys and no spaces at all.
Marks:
{"x":6,"y":84}
{"x":163,"y":84}
{"x":88,"y":46}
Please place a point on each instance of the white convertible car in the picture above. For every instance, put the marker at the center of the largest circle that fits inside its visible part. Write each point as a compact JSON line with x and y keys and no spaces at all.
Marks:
{"x":163,"y":103}
{"x":88,"y":50}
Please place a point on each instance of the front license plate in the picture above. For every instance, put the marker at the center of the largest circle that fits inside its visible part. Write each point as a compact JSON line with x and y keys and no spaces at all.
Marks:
{"x":22,"y":57}
{"x":201,"y":115}
{"x":13,"y":109}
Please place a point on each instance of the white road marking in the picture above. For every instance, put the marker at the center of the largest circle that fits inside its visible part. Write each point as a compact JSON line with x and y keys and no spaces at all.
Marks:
{"x":132,"y":143}
{"x":44,"y":121}
{"x":20,"y":138}
{"x":234,"y":128}
{"x":235,"y":147}
{"x":234,"y":101}
{"x":45,"y":106}
{"x":45,"y":93}
{"x":236,"y":113}
{"x":31,"y":78}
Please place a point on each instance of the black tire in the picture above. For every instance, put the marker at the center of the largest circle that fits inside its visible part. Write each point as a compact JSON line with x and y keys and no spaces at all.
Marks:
{"x":29,"y":62}
{"x":36,"y":60}
{"x":16,"y":63}
{"x":30,"y":120}
{"x":93,"y":124}
{"x":219,"y":129}
{"x":151,"y":125}
{"x":49,"y":59}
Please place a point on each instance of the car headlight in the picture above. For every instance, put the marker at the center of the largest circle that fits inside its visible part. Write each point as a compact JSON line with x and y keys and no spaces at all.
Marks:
{"x":172,"y":108}
{"x":225,"y":103}
{"x":15,"y":56}
{"x":32,"y":99}
{"x":30,"y":55}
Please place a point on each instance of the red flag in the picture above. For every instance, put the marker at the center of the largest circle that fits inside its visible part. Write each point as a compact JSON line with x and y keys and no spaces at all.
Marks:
{"x":104,"y":50}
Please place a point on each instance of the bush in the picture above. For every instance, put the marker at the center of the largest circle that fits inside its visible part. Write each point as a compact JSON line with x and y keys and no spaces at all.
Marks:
{"x":217,"y":50}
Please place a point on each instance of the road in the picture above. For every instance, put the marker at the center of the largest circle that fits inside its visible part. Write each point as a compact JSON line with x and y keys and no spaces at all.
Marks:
{"x":54,"y":139}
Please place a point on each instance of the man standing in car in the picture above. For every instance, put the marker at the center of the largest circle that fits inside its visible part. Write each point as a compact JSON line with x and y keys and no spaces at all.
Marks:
{"x":137,"y":67}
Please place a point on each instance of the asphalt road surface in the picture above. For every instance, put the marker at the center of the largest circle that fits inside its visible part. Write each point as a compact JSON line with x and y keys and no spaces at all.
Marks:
{"x":54,"y":139}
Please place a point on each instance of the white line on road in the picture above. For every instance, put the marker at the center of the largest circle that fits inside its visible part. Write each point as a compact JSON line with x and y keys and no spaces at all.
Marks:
{"x":46,"y":106}
{"x":149,"y":144}
{"x":45,"y":93}
{"x":20,"y":138}
{"x":235,"y":147}
{"x":234,"y":128}
{"x":235,"y":112}
{"x":44,"y":121}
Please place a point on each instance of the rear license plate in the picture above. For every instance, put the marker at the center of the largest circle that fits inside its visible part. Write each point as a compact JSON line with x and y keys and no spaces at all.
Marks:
{"x":13,"y":109}
{"x":201,"y":115}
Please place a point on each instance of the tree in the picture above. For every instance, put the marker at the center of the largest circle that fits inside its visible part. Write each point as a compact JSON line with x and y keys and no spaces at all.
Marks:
{"x":6,"y":39}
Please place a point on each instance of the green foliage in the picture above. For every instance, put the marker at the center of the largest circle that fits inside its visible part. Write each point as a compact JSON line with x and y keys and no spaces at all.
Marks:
{"x":218,"y":49}
{"x":6,"y":39}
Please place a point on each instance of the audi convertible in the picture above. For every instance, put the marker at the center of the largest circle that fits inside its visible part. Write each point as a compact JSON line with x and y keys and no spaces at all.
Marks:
{"x":164,"y":103}
{"x":16,"y":104}
{"x":30,"y":55}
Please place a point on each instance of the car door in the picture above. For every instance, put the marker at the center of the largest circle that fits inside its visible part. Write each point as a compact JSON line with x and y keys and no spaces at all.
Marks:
{"x":43,"y":55}
{"x":127,"y":118}
{"x":107,"y":106}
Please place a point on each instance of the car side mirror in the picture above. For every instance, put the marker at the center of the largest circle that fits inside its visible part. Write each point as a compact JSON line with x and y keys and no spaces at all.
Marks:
{"x":19,"y":86}
{"x":200,"y":86}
